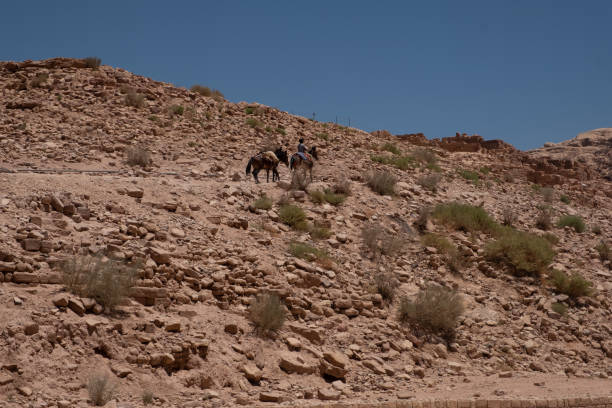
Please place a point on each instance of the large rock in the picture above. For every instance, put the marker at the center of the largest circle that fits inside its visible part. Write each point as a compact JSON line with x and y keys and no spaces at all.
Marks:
{"x":160,"y":256}
{"x":292,"y":363}
{"x":314,"y":335}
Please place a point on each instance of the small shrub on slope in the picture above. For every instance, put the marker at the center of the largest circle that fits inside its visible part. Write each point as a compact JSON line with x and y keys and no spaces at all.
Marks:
{"x":527,"y":254}
{"x":267,"y":312}
{"x":464,"y":217}
{"x":573,"y":286}
{"x":573,"y":221}
{"x":382,"y":182}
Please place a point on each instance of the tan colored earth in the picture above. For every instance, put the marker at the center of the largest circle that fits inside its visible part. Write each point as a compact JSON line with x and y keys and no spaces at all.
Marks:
{"x":202,"y":253}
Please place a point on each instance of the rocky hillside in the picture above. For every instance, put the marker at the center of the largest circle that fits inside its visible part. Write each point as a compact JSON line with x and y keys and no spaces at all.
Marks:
{"x":593,"y":148}
{"x":151,"y":179}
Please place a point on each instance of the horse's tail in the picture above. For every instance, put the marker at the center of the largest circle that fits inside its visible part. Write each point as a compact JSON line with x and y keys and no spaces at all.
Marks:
{"x":248,"y":168}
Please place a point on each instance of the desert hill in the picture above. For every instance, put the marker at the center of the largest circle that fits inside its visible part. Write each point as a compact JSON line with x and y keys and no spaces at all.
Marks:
{"x":95,"y":160}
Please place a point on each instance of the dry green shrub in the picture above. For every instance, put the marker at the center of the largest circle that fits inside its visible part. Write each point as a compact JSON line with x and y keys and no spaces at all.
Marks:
{"x":306,"y":251}
{"x":435,"y":310}
{"x":574,"y":221}
{"x":548,"y":194}
{"x":318,"y":232}
{"x":550,"y":237}
{"x":509,"y":217}
{"x":470,"y":175}
{"x":134,"y":99}
{"x":380,"y":241}
{"x":293,"y":216}
{"x":342,"y":186}
{"x":382,"y":182}
{"x":604,"y":251}
{"x":176,"y":110}
{"x":386,"y":284}
{"x":430,"y":181}
{"x":423,"y":218}
{"x":138,"y":155}
{"x":105,"y":280}
{"x":317,"y":196}
{"x":559,"y":308}
{"x":426,"y":156}
{"x":101,"y":389}
{"x":92,"y":62}
{"x":206,"y":91}
{"x":147,"y":397}
{"x":449,"y":252}
{"x":573,"y":286}
{"x":564,"y":199}
{"x":390,"y":147}
{"x":527,"y":254}
{"x":544,"y":219}
{"x":267,"y":312}
{"x":465,"y":217}
{"x":39,"y":80}
{"x":263,"y":203}
{"x":254,"y":123}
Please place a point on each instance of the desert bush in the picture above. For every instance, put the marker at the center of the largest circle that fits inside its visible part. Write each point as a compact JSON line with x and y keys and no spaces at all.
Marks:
{"x":527,"y":254}
{"x":464,"y":217}
{"x":426,"y":156}
{"x":548,"y":194}
{"x":470,"y":175}
{"x":380,"y":241}
{"x":390,"y":147}
{"x":573,"y":286}
{"x":39,"y":80}
{"x":564,"y":199}
{"x":573,"y":221}
{"x":317,"y":232}
{"x":206,"y":91}
{"x":435,"y":310}
{"x":544,"y":219}
{"x":92,"y":62}
{"x":147,"y":397}
{"x":317,"y":196}
{"x":333,"y":198}
{"x":550,"y":237}
{"x":509,"y":217}
{"x":134,"y":99}
{"x":249,"y":110}
{"x":300,"y":180}
{"x":254,"y":123}
{"x":263,"y":203}
{"x":267,"y":313}
{"x":323,"y":136}
{"x":485,"y":170}
{"x":423,"y":217}
{"x":382,"y":182}
{"x":449,"y":252}
{"x":306,"y":251}
{"x":138,"y":155}
{"x":342,"y":186}
{"x":177,"y":110}
{"x":386,"y":284}
{"x":604,"y":251}
{"x":105,"y":280}
{"x":559,"y":308}
{"x":101,"y":389}
{"x":430,"y":181}
{"x":293,"y":216}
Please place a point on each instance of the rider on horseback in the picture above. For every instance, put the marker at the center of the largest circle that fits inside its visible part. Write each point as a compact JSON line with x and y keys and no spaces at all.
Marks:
{"x":302,"y":150}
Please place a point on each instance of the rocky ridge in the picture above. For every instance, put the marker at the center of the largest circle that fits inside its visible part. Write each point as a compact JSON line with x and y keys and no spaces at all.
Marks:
{"x":205,"y":252}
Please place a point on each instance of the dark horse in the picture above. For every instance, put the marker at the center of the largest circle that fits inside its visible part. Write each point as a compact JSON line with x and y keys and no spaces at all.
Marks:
{"x":268,"y":161}
{"x":297,"y":161}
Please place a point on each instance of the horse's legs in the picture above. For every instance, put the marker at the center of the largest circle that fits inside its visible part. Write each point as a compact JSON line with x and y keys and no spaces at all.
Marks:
{"x":255,"y":172}
{"x":268,"y":176}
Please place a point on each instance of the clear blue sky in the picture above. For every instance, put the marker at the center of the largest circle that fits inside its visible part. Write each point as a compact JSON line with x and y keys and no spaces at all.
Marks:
{"x":523,"y":71}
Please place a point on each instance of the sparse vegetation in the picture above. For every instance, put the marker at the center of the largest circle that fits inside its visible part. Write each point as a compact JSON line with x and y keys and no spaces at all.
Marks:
{"x":342,"y":186}
{"x":206,"y":91}
{"x":564,"y":199}
{"x":423,"y":218}
{"x":559,"y":308}
{"x":177,"y":110}
{"x":328,"y":196}
{"x":386,"y":284}
{"x":544,"y":219}
{"x":263,"y":203}
{"x":470,"y":175}
{"x":147,"y":397}
{"x":323,"y":136}
{"x":92,"y":62}
{"x":299,"y":180}
{"x":382,"y":182}
{"x":509,"y":217}
{"x":604,"y":251}
{"x":573,"y":221}
{"x":548,"y":194}
{"x":134,"y":99}
{"x":426,"y":156}
{"x":573,"y":286}
{"x":380,"y":241}
{"x":267,"y":313}
{"x":249,"y":110}
{"x":390,"y":147}
{"x":318,"y":232}
{"x":550,"y":237}
{"x":254,"y":123}
{"x":101,"y":389}
{"x":526,"y":254}
{"x":138,"y":156}
{"x":464,"y":217}
{"x":435,"y":310}
{"x":105,"y":280}
{"x":430,"y":181}
{"x":308,"y":252}
{"x":293,"y":216}
{"x":449,"y":252}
